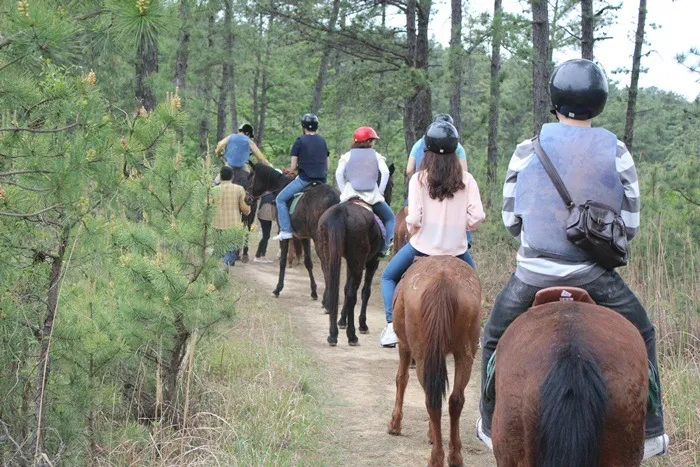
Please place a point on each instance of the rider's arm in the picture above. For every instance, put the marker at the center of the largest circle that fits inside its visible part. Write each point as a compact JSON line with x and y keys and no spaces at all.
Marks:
{"x":475,"y":210}
{"x":340,"y":172}
{"x":462,"y":156}
{"x":257,"y":153}
{"x":521,"y":158}
{"x":414,"y":217}
{"x":221,"y":145}
{"x":293,"y":164}
{"x":384,"y":171}
{"x":630,"y":201}
{"x":242,"y":205}
{"x":296,"y":147}
{"x":410,"y":166}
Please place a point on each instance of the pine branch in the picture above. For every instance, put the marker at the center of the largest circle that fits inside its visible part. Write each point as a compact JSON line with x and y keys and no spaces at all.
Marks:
{"x":687,"y":198}
{"x":23,"y":172}
{"x":21,"y":215}
{"x":33,"y":130}
{"x":13,"y":61}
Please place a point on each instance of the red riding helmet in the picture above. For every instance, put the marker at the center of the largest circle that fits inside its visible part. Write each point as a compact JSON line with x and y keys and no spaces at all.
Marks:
{"x":364,"y":133}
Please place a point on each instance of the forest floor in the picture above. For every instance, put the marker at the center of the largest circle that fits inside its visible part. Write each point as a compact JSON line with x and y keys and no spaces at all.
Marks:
{"x":358,"y":382}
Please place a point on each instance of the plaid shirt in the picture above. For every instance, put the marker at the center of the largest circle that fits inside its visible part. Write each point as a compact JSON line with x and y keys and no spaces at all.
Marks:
{"x":230,"y":204}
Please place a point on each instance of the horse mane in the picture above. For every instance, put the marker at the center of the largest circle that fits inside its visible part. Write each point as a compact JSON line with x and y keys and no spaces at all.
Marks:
{"x":269,"y":176}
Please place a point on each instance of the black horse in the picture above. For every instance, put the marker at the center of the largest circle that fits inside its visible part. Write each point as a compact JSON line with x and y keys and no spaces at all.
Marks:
{"x":349,"y":230}
{"x":305,"y":218}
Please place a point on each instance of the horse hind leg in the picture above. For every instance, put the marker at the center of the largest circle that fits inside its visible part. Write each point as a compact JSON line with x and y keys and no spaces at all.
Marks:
{"x":463,"y":370}
{"x":343,"y":321}
{"x":401,"y":383}
{"x":309,"y":267}
{"x":370,"y":270}
{"x":437,"y":454}
{"x":355,"y":279}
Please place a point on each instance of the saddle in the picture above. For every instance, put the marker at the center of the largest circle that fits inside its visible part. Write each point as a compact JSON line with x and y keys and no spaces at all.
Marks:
{"x":358,"y":201}
{"x":292,"y":203}
{"x":562,"y":294}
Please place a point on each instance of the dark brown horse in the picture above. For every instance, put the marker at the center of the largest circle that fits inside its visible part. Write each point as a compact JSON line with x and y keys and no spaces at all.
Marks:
{"x":401,"y":234}
{"x":436,"y":312}
{"x":349,"y":230}
{"x":304,"y":220}
{"x":571,"y":387}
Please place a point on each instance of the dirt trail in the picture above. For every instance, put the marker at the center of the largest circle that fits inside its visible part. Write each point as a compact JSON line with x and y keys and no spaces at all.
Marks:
{"x":361,"y":381}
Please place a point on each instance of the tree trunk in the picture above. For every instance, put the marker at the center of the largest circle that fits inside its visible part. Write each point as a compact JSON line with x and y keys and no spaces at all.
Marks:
{"x":44,"y":363}
{"x":206,"y":88}
{"x":146,"y":63}
{"x":182,"y":53}
{"x":264,"y":85}
{"x":587,"y":28}
{"x":456,"y":65}
{"x":318,"y":90}
{"x":495,"y":102}
{"x":634,"y":84}
{"x":256,"y":78}
{"x":226,"y":72}
{"x":540,"y":66}
{"x":417,"y":108}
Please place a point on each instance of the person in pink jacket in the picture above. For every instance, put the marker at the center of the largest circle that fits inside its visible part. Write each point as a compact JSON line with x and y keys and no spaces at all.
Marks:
{"x":443,"y":202}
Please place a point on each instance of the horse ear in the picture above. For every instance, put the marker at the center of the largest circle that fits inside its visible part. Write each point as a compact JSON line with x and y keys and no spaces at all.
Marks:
{"x":392,"y":168}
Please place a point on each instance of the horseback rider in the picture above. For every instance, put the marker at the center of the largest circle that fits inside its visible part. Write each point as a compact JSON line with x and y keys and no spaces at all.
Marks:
{"x":416,"y":157}
{"x":310,"y":156}
{"x":443,"y":203}
{"x":357,"y":174}
{"x":599,"y":167}
{"x":236,"y":150}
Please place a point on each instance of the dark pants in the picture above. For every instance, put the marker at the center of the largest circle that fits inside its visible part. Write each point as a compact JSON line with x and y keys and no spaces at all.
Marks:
{"x":609,"y":290}
{"x":262,"y":246}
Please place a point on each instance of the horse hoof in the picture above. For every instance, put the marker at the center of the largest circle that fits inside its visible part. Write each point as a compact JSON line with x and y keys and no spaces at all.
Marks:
{"x":364,"y":331}
{"x":342,"y":326}
{"x":314,"y":297}
{"x":244,"y":259}
{"x":354,"y":343}
{"x":332,"y":341}
{"x":276,"y":293}
{"x":325,"y":312}
{"x":393,"y":430}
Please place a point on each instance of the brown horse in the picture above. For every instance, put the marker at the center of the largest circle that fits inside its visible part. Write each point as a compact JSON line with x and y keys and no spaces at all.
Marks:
{"x":401,"y":234}
{"x":571,"y":387}
{"x":436,"y":312}
{"x":304,"y":220}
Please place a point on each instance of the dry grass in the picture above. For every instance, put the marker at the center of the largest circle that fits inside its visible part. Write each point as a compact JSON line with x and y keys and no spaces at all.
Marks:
{"x":256,"y":398}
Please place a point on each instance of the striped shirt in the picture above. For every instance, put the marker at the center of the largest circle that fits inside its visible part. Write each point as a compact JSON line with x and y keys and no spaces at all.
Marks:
{"x":539,"y":270}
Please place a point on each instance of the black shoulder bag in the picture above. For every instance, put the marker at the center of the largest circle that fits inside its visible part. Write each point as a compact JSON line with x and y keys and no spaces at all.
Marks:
{"x":593,"y":227}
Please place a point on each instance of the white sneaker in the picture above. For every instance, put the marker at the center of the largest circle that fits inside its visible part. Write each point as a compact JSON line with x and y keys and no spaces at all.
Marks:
{"x":481,"y":436}
{"x":388,"y":337}
{"x":656,"y":446}
{"x":262,"y":260}
{"x":283,"y":236}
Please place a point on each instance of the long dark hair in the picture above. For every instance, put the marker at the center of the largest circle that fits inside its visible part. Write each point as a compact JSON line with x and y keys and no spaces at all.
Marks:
{"x":361,"y":144}
{"x":442,"y":173}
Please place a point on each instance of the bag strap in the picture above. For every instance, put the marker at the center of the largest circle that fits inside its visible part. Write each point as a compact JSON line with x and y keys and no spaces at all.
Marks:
{"x":552,"y":173}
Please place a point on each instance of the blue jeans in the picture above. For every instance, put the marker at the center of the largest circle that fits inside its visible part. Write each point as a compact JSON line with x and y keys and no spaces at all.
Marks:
{"x":287,"y":193}
{"x":384,"y":212}
{"x":230,"y":258}
{"x":397,"y":267}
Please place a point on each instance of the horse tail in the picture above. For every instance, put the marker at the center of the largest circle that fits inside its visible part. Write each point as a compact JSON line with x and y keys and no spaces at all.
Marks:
{"x":440,"y":304}
{"x":573,"y":401}
{"x":335,"y":228}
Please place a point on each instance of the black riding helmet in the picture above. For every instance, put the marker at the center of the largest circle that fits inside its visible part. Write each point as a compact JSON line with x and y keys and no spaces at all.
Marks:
{"x":444,"y":118}
{"x":579,"y":89}
{"x":441,"y":138}
{"x":310,"y":122}
{"x":246,"y":128}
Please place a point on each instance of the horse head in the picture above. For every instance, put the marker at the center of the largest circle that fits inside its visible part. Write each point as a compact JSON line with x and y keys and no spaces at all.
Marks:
{"x":389,"y":185}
